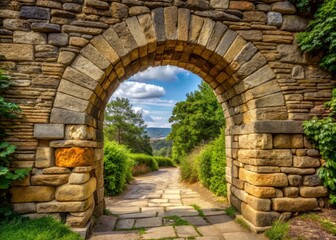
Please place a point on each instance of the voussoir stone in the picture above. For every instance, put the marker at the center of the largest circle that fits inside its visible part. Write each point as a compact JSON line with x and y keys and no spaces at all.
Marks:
{"x":32,"y":194}
{"x":74,"y":157}
{"x":76,"y":192}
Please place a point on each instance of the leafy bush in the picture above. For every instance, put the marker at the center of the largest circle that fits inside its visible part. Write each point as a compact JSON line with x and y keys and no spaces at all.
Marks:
{"x":323,"y":134}
{"x":278,"y":231}
{"x":117,"y":168}
{"x":143,"y":159}
{"x":164,"y":162}
{"x":45,"y":228}
{"x":320,"y":38}
{"x":8,"y":110}
{"x":188,"y":165}
{"x":211,"y":166}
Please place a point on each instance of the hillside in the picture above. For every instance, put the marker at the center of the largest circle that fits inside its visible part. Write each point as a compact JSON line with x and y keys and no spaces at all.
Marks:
{"x":157,"y":133}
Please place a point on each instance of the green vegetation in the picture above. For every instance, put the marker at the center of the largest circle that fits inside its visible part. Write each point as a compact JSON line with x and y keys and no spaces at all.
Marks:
{"x":195,"y":121}
{"x":164,"y":161}
{"x":325,"y":224}
{"x":278,"y":231}
{"x":161,"y":147}
{"x":243,"y":224}
{"x":125,"y":126}
{"x":320,"y":37}
{"x":230,"y":211}
{"x":143,"y":159}
{"x":45,"y":228}
{"x":322,"y":132}
{"x":117,"y":168}
{"x":199,"y":210}
{"x":188,"y":166}
{"x":176,"y":221}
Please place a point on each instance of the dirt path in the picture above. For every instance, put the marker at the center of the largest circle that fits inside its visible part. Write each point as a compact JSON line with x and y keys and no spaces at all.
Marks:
{"x":157,"y":206}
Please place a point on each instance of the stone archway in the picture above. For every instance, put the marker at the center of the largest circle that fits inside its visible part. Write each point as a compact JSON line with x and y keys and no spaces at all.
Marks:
{"x":266,"y":87}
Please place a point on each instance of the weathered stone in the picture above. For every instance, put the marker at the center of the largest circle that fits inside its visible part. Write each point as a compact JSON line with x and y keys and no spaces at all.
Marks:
{"x":288,"y":141}
{"x":251,"y":35}
{"x":55,"y":170}
{"x":292,"y":170}
{"x":138,"y":10}
{"x":242,"y":5}
{"x":262,"y":169}
{"x":186,"y":231}
{"x":16,"y":24}
{"x":71,"y":103}
{"x":46,"y":27}
{"x":265,"y":157}
{"x":29,"y":37}
{"x":254,"y":16}
{"x":285,"y":7}
{"x":234,"y":49}
{"x":44,"y":157}
{"x":294,"y":23}
{"x":66,"y":57}
{"x":312,"y":180}
{"x":78,"y":41}
{"x":68,"y":117}
{"x":298,"y":72}
{"x":55,"y":206}
{"x":72,"y":7}
{"x":257,"y":179}
{"x":73,"y":143}
{"x":50,"y":180}
{"x":80,"y":219}
{"x":274,"y":19}
{"x":218,"y":15}
{"x":119,"y":10}
{"x":79,"y":178}
{"x":256,"y":141}
{"x":24,"y":207}
{"x":292,"y":192}
{"x":82,"y":169}
{"x":80,"y":132}
{"x":73,"y":89}
{"x":97,"y":4}
{"x":258,"y":203}
{"x":291,"y":54}
{"x":58,"y":39}
{"x":220,"y":4}
{"x":295,"y":180}
{"x":76,"y":192}
{"x":294,"y":204}
{"x":313,"y":192}
{"x":170,"y":15}
{"x":306,"y":162}
{"x":35,"y":12}
{"x":32,"y":194}
{"x":87,"y":67}
{"x":49,"y":131}
{"x":74,"y":156}
{"x":240,"y":194}
{"x":259,"y":218}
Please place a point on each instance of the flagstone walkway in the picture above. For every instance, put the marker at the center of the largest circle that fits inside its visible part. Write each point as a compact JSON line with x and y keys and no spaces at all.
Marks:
{"x":157,"y":206}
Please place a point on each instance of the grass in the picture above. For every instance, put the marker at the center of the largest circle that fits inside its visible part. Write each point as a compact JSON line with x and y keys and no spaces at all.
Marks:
{"x":230,"y":211}
{"x":176,"y":221}
{"x":45,"y":228}
{"x":199,"y":210}
{"x":278,"y":231}
{"x":243,"y":224}
{"x":326,"y":225}
{"x":142,"y":231}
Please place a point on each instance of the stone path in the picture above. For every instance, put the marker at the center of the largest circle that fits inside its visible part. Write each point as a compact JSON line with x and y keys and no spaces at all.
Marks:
{"x":157,"y":206}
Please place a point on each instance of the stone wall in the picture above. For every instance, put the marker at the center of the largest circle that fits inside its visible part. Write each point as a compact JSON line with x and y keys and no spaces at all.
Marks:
{"x":67,"y":57}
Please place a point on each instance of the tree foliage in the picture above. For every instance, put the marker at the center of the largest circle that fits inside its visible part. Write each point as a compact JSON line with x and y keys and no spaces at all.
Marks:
{"x":7,"y":110}
{"x":125,"y":126}
{"x":196,"y":120}
{"x":323,"y":134}
{"x":320,"y":37}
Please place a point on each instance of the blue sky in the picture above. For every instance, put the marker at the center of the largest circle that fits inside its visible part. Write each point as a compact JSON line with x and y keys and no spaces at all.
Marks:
{"x":155,"y":91}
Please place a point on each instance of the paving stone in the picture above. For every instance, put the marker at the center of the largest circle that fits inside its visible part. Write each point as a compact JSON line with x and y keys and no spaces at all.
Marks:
{"x":148,"y":222}
{"x":159,"y":232}
{"x":208,"y":230}
{"x":125,"y":224}
{"x":146,"y":214}
{"x":224,"y":223}
{"x":105,"y":223}
{"x":209,"y":212}
{"x":240,"y":236}
{"x":186,"y":231}
{"x":210,"y":238}
{"x":182,"y":211}
{"x":171,"y":196}
{"x":125,"y":235}
{"x":124,"y":210}
{"x":196,"y":221}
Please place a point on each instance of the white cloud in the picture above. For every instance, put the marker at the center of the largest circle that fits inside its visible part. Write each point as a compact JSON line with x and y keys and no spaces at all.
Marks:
{"x":153,"y":102}
{"x":163,"y":73}
{"x":138,"y":90}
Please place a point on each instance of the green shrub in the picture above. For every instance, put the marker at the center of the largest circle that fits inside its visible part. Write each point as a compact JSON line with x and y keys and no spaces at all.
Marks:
{"x":323,"y":134}
{"x":188,"y":166}
{"x":278,"y":231}
{"x":143,"y":159}
{"x":45,"y":228}
{"x":211,"y":166}
{"x":117,"y":168}
{"x":320,"y":37}
{"x":164,"y":161}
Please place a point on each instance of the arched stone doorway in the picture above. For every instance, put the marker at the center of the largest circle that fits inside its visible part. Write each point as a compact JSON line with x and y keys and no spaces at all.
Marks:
{"x":263,"y":93}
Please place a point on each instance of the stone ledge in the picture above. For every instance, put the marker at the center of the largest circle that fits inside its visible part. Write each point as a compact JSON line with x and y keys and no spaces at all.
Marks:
{"x":275,"y":126}
{"x":49,"y":131}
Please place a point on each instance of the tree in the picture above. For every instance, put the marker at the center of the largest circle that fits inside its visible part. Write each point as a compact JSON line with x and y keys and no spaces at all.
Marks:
{"x":196,"y":120}
{"x":125,"y":126}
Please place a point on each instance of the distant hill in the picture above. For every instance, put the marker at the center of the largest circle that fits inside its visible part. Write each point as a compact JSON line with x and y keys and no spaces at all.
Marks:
{"x":156,"y":133}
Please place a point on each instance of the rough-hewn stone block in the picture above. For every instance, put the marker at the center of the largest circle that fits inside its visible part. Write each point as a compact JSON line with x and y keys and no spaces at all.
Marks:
{"x":294,"y":204}
{"x":32,"y":194}
{"x":44,"y":157}
{"x":72,"y":192}
{"x":74,"y":156}
{"x":313,"y":192}
{"x":258,"y":179}
{"x":258,"y":141}
{"x":288,"y":141}
{"x":79,"y":178}
{"x":49,"y":131}
{"x":259,"y":218}
{"x":24,"y":207}
{"x":55,"y":206}
{"x":265,"y":157}
{"x":16,"y":52}
{"x":306,"y":162}
{"x":50,"y":180}
{"x":35,"y":12}
{"x":258,"y":203}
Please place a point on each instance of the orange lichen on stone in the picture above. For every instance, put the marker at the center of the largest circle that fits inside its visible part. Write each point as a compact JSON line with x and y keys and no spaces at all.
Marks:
{"x":74,"y":157}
